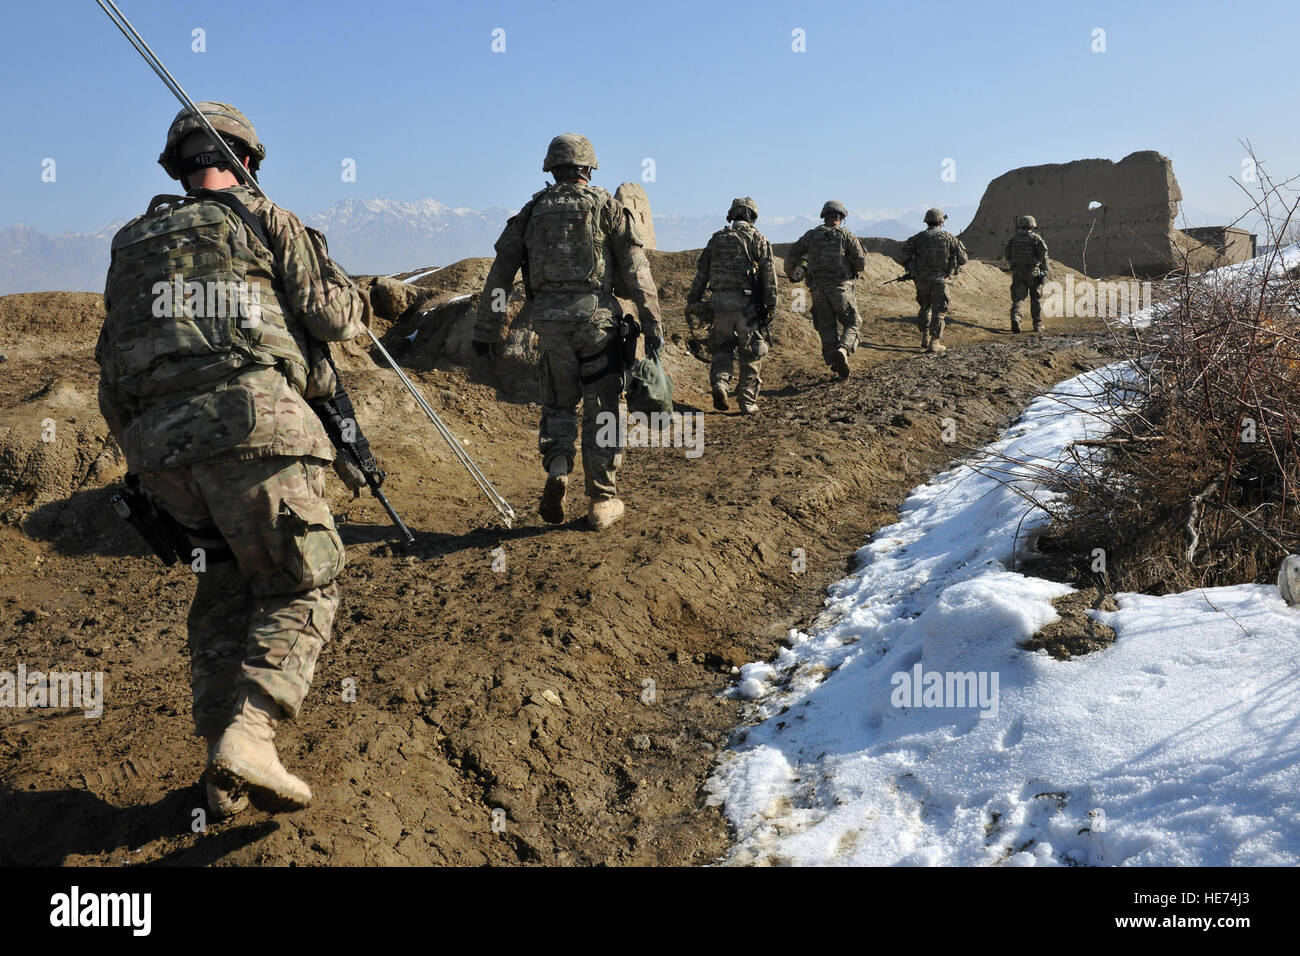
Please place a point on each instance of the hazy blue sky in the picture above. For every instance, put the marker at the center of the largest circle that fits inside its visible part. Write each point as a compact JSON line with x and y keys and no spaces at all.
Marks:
{"x":712,"y":91}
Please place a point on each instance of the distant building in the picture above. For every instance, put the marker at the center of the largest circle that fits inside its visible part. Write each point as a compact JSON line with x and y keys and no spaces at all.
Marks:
{"x":1229,"y":243}
{"x":1104,"y":218}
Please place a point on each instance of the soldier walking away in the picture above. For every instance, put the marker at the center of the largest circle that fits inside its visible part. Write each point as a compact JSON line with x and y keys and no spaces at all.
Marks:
{"x":738,"y":269}
{"x":1027,"y":255}
{"x":206,"y":388}
{"x":577,"y":246}
{"x":830,"y":258}
{"x":932,"y":257}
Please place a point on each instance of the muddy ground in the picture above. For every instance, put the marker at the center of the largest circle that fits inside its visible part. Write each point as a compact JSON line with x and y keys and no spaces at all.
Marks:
{"x":493,"y":670}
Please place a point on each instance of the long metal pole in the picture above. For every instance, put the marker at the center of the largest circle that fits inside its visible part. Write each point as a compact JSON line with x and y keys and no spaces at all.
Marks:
{"x":124,"y":25}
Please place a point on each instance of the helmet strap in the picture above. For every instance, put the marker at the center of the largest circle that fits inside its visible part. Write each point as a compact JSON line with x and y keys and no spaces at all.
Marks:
{"x":214,"y":159}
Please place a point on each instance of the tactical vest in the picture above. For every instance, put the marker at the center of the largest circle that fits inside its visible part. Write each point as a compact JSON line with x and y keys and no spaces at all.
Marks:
{"x":826,"y":255}
{"x":1023,"y":250}
{"x":933,"y":250}
{"x":192,"y":299}
{"x":565,"y":243}
{"x":730,"y":263}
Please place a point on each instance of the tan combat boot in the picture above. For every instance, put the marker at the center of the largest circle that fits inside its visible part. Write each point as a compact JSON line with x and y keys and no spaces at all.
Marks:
{"x":1038,"y":325}
{"x":604,"y":513}
{"x":720,"y":397}
{"x":222,"y":803}
{"x":1015,"y":324}
{"x":936,"y":346}
{"x":840,"y":363}
{"x":245,"y":757}
{"x":551,"y":507}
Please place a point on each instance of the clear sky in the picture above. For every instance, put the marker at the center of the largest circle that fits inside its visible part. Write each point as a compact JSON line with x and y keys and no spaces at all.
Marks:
{"x":713,"y":92}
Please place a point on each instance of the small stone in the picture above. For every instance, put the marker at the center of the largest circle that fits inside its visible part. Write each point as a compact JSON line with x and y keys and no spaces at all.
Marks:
{"x":641,"y":742}
{"x":552,"y":697}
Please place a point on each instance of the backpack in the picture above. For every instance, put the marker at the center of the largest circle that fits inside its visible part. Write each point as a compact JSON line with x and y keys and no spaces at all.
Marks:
{"x":566,"y":247}
{"x":933,"y":251}
{"x":192,"y":298}
{"x":731,"y":266}
{"x":826,"y":254}
{"x":1023,"y":250}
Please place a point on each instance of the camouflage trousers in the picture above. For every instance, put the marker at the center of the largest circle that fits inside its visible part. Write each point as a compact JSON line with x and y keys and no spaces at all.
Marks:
{"x":262,"y":616}
{"x":932,"y":297}
{"x":1025,"y":285}
{"x":574,"y":349}
{"x":835,"y":317}
{"x":730,"y":336}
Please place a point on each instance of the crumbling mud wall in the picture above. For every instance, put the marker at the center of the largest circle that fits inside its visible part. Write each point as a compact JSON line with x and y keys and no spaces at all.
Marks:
{"x":1098,"y":216}
{"x":633,"y":196}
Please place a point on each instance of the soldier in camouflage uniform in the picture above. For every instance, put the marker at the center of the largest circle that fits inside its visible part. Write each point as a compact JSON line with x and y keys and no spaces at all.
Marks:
{"x":1027,"y":254}
{"x":577,"y":246}
{"x":738,"y":268}
{"x":210,"y":407}
{"x":932,"y":257}
{"x":831,"y":258}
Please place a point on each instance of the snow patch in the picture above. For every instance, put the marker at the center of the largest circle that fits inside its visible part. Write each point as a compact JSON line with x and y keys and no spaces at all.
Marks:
{"x":1176,"y":746}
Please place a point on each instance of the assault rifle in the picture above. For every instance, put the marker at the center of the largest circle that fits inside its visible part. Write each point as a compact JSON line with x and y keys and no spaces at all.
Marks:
{"x":340,"y":420}
{"x":905,"y":277}
{"x":758,"y":307}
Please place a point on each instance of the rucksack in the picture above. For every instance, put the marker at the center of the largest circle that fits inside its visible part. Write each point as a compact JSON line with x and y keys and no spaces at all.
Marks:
{"x":192,"y":298}
{"x":564,"y":241}
{"x":826,"y":254}
{"x":1023,"y":250}
{"x":934,"y":249}
{"x":730,"y":264}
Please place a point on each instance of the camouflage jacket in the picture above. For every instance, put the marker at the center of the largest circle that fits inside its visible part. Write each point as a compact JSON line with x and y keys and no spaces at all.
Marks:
{"x":934,"y":253}
{"x":621,"y":266}
{"x":260,"y":410}
{"x":760,"y":261}
{"x":832,"y":253}
{"x":1027,"y":253}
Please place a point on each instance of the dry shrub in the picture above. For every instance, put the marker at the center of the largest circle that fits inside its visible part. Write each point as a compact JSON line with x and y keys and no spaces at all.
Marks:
{"x":1198,"y":483}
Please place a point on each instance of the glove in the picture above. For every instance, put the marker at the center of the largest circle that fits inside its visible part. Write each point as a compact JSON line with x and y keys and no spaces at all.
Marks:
{"x":349,"y":474}
{"x":653,"y":343}
{"x":800,"y":271}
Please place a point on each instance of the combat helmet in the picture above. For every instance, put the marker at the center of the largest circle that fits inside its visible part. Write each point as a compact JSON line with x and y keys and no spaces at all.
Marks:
{"x":740,"y":206}
{"x":1026,"y":222}
{"x":834,"y":208}
{"x":232,"y":125}
{"x":935,"y":216}
{"x":569,"y":149}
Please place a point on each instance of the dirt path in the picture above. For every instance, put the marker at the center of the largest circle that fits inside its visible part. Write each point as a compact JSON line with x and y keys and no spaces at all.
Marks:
{"x":492,"y":669}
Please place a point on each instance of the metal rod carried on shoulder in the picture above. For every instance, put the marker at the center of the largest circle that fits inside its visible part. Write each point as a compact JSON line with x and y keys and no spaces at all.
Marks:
{"x":124,"y":25}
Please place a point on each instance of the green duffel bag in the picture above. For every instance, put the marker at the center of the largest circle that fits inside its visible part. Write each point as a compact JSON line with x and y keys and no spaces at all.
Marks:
{"x":650,"y":388}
